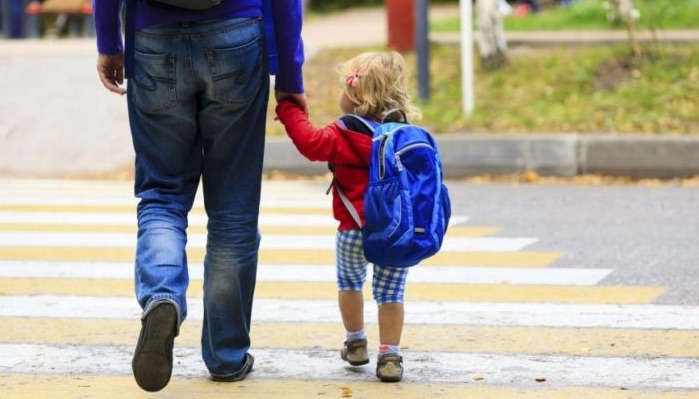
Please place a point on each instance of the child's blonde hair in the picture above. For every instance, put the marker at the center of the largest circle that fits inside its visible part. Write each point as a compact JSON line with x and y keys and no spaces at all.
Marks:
{"x":376,"y":83}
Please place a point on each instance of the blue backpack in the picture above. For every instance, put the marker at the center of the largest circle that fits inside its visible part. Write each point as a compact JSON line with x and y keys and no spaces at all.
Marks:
{"x":406,"y":205}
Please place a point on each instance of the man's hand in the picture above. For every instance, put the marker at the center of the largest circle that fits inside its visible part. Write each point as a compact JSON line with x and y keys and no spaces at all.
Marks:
{"x":298,"y":98}
{"x":110,"y":69}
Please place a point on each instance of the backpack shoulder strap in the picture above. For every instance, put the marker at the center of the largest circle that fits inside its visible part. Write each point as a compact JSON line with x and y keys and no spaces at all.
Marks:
{"x":350,"y":208}
{"x":358,"y":124}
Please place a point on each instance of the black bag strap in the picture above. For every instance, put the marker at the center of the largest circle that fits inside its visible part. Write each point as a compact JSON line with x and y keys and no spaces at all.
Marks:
{"x":191,"y":5}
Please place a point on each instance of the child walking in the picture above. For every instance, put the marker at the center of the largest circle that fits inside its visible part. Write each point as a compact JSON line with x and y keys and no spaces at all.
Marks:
{"x":373,"y":84}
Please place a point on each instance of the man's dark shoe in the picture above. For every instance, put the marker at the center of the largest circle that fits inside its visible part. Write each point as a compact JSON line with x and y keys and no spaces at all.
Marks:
{"x":241,"y":374}
{"x":152,"y":359}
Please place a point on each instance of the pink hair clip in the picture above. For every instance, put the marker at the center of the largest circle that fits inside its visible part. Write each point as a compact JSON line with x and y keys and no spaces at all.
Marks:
{"x":352,"y":80}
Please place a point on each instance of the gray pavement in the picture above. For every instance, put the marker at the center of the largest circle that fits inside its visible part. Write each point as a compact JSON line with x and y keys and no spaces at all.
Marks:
{"x":57,"y":121}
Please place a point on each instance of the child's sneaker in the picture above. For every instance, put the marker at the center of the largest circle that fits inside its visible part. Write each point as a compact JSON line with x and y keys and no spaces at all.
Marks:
{"x":355,"y":353}
{"x":389,"y":367}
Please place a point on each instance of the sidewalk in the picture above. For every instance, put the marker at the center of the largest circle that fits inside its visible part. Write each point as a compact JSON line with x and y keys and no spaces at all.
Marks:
{"x":56,"y":120}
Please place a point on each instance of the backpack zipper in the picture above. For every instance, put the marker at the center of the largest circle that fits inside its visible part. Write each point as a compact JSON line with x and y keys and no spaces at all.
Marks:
{"x":382,"y":149}
{"x":405,"y":149}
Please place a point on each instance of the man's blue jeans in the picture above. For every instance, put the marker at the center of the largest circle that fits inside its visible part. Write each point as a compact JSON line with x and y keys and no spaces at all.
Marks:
{"x":197,"y":109}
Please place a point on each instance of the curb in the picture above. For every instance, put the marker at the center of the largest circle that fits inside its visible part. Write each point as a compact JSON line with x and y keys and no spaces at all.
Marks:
{"x":561,"y":155}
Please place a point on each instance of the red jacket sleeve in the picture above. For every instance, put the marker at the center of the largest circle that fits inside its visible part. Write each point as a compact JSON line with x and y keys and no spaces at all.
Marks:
{"x":316,"y":144}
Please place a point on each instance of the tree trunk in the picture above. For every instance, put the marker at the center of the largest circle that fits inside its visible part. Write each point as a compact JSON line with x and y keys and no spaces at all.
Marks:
{"x":492,"y":44}
{"x":628,"y":13}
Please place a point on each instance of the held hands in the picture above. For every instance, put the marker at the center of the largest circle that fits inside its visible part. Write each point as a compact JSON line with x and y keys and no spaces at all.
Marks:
{"x":110,"y":69}
{"x":297,"y":98}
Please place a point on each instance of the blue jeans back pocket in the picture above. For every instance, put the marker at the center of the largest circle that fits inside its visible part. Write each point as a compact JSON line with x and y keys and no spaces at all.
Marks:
{"x":154,"y":82}
{"x":236,"y":73}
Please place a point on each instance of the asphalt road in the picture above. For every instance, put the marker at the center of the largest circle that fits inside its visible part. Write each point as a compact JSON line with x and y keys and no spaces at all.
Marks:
{"x":646,"y":234}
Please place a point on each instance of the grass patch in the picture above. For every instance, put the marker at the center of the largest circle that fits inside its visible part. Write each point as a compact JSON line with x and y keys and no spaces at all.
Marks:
{"x":595,"y":89}
{"x":590,"y":14}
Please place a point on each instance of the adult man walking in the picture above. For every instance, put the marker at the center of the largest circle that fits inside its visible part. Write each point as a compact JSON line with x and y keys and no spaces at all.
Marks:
{"x":197,"y":95}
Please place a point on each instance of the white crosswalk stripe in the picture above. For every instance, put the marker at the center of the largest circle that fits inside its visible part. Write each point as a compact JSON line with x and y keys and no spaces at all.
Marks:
{"x":511,"y":369}
{"x":280,"y":272}
{"x":504,"y":244}
{"x":418,"y":313}
{"x":129,"y":219}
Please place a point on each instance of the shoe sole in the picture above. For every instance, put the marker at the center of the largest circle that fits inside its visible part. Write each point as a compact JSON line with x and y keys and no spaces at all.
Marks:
{"x":152,"y":360}
{"x":360,"y":362}
{"x":357,"y":363}
{"x":394,"y":378}
{"x":391,"y":378}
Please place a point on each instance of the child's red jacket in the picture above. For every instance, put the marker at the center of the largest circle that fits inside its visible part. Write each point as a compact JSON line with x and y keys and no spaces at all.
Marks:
{"x":345,"y":144}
